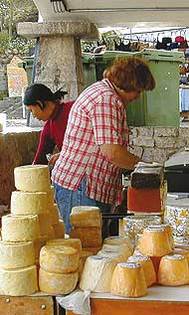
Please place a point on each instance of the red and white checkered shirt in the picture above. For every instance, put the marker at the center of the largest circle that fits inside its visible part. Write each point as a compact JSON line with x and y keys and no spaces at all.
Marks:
{"x":97,"y":117}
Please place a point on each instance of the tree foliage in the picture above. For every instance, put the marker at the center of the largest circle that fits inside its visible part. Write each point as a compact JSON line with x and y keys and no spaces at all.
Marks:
{"x":11,"y":13}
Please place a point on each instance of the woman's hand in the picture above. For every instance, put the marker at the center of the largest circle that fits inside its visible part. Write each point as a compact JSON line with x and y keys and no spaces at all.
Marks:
{"x":54,"y":158}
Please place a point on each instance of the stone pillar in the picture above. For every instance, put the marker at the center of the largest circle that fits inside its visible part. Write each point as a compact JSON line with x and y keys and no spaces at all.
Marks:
{"x":59,"y":62}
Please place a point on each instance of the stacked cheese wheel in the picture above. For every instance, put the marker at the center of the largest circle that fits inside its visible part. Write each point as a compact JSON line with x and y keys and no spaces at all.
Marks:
{"x":87,"y":226}
{"x":32,"y":221}
{"x":58,"y":273}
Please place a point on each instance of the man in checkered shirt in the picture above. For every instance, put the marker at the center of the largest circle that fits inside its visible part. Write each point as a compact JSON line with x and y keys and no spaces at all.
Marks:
{"x":94,"y":152}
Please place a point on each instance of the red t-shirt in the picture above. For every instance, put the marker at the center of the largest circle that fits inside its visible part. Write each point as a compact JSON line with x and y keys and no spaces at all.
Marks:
{"x":53,"y":132}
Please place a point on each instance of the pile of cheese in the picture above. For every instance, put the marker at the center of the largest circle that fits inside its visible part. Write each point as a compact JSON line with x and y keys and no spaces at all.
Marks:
{"x":33,"y":220}
{"x":87,"y":226}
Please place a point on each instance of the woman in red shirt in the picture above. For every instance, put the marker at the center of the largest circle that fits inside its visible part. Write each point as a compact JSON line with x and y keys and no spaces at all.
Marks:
{"x":49,"y":107}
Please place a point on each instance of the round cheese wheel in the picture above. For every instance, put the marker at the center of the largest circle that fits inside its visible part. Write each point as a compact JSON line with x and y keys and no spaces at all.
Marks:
{"x":147,"y":265}
{"x":83,"y":257}
{"x":16,"y":255}
{"x":85,"y":216}
{"x":90,"y":237}
{"x":97,"y":274}
{"x":122,"y":248}
{"x":57,"y":283}
{"x":20,"y":228}
{"x":32,"y":178}
{"x":128,"y":280}
{"x":117,"y":240}
{"x":38,"y":244}
{"x":18,"y":282}
{"x":59,"y":259}
{"x":44,"y":224}
{"x":70,"y":242}
{"x":173,"y":270}
{"x":54,"y":214}
{"x":29,"y":202}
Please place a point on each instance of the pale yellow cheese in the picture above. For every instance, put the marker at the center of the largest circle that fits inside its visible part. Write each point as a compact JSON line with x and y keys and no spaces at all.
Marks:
{"x":90,"y":237}
{"x":44,"y":224}
{"x":60,"y":259}
{"x":147,"y":265}
{"x":57,"y":283}
{"x":70,"y":242}
{"x":20,"y":228}
{"x":85,"y":216}
{"x":97,"y":274}
{"x":59,"y":229}
{"x":83,"y":257}
{"x":16,"y":255}
{"x":92,"y":250}
{"x":29,"y":202}
{"x":155,"y":242}
{"x":32,"y":178}
{"x":38,"y":244}
{"x":128,"y":280}
{"x":18,"y":282}
{"x":122,"y":248}
{"x":173,"y":270}
{"x":115,"y":256}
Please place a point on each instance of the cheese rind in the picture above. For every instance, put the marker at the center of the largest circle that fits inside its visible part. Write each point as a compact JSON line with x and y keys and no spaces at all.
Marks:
{"x":85,"y":216}
{"x":32,"y":178}
{"x":90,"y":237}
{"x":54,"y":214}
{"x":97,"y":274}
{"x":18,"y":282}
{"x":70,"y":242}
{"x":29,"y":202}
{"x":128,"y":280}
{"x":57,"y":283}
{"x":20,"y":228}
{"x":117,"y":240}
{"x":59,"y":229}
{"x":59,"y":259}
{"x":16,"y":255}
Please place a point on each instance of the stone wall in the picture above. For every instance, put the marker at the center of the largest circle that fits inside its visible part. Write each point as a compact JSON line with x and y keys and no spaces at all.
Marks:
{"x":16,"y":149}
{"x":157,"y":144}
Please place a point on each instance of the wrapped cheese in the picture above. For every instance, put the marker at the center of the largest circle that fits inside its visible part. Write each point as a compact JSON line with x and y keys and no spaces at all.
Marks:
{"x":147,"y":265}
{"x":173,"y":270}
{"x":97,"y":274}
{"x":128,"y":280}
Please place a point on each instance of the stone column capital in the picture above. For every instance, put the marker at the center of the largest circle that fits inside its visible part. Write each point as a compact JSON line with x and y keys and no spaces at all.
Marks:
{"x":79,"y":29}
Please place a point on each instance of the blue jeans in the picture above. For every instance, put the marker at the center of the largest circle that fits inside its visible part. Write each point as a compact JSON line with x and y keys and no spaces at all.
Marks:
{"x":67,"y":199}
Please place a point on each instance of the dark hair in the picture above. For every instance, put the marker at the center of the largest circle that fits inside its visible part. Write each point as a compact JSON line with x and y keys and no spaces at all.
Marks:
{"x":130,"y":74}
{"x":38,"y":93}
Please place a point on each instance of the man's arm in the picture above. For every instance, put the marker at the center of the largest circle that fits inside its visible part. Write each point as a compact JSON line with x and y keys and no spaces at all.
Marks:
{"x":119,"y":156}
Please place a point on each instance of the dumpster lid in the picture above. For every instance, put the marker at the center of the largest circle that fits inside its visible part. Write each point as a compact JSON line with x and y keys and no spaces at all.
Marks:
{"x":178,"y":160}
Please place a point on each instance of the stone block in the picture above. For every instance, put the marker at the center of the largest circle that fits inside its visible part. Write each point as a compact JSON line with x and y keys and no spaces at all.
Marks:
{"x":138,"y":151}
{"x":169,"y":142}
{"x":166,"y":132}
{"x":145,"y":131}
{"x":143,"y":141}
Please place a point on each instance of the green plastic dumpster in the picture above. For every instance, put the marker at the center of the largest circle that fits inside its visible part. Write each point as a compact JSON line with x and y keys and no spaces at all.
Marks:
{"x":159,"y":107}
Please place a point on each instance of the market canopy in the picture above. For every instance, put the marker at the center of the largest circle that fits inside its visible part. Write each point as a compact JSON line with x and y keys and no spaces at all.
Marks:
{"x":117,"y":13}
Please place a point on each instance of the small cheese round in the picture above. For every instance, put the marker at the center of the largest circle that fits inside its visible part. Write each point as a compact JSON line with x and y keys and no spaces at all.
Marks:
{"x":57,"y":283}
{"x":29,"y":202}
{"x":20,"y":228}
{"x":90,"y":237}
{"x":97,"y":274}
{"x":18,"y":282}
{"x":44,"y":224}
{"x":173,"y":270}
{"x":128,"y":280}
{"x":70,"y":242}
{"x":117,"y":240}
{"x":32,"y":178}
{"x":16,"y":255}
{"x":147,"y":265}
{"x":85,"y":216}
{"x":54,"y":214}
{"x":59,"y":259}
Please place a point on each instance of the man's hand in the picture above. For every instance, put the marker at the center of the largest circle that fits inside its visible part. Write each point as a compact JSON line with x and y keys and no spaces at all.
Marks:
{"x":54,"y":158}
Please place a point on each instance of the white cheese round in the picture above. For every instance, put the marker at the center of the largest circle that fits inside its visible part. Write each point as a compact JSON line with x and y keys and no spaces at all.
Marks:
{"x":59,"y":259}
{"x":16,"y":255}
{"x":20,"y":228}
{"x":29,"y":202}
{"x":18,"y":282}
{"x":57,"y":283}
{"x":32,"y":178}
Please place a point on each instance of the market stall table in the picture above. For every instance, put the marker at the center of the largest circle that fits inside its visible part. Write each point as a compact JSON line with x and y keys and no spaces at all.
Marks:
{"x":160,"y":300}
